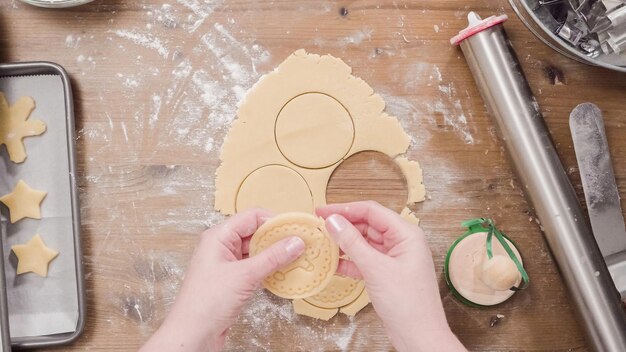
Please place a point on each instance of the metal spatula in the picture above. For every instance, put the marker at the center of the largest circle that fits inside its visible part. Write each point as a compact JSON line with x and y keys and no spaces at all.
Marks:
{"x":601,"y":194}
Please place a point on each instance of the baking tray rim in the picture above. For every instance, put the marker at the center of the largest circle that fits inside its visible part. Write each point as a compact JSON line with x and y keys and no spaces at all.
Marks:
{"x":4,"y":306}
{"x":34,"y":68}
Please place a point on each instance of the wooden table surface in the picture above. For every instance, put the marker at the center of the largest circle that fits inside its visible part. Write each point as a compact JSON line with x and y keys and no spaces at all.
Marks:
{"x":156,"y":85}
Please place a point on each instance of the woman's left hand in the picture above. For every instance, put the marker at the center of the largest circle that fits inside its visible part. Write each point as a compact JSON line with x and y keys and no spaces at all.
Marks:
{"x":218,"y":282}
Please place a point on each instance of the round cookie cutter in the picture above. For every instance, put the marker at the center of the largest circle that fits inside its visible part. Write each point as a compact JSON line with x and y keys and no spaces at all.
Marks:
{"x":309,"y":274}
{"x":477,"y":242}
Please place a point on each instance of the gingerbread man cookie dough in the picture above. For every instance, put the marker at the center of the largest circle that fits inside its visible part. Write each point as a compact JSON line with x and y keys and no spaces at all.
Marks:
{"x":15,"y":126}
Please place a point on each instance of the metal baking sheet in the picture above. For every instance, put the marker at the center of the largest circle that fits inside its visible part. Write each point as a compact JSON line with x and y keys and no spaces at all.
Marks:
{"x":45,"y":311}
{"x":5,"y":340}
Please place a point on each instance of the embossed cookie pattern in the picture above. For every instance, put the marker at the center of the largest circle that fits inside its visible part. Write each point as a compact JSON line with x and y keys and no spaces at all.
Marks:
{"x":310,"y":273}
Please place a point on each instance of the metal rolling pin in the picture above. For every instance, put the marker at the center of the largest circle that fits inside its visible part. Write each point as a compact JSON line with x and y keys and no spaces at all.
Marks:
{"x":513,"y":107}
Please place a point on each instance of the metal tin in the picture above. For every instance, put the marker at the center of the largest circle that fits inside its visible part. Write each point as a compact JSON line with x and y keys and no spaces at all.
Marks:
{"x":446,"y":270}
{"x":48,"y":68}
{"x":537,"y":27}
{"x":56,"y":3}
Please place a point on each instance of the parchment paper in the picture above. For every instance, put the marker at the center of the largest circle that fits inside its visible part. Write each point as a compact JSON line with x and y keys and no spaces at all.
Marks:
{"x":37,"y":305}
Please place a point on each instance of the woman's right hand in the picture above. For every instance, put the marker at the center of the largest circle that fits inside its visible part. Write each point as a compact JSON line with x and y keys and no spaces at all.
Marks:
{"x":393,"y":257}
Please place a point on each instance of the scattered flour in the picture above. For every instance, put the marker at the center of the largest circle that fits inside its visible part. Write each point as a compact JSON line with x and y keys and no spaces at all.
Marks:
{"x":449,"y":106}
{"x":146,"y":40}
{"x":201,"y":10}
{"x":357,"y":37}
{"x":156,"y":109}
{"x":129,"y":81}
{"x":209,"y":145}
{"x":443,"y":110}
{"x":188,"y":97}
{"x":71,"y":41}
{"x":264,"y":307}
{"x":410,"y":114}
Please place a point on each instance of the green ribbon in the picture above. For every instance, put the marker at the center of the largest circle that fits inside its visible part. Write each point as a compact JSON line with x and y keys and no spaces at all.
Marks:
{"x":482,"y":224}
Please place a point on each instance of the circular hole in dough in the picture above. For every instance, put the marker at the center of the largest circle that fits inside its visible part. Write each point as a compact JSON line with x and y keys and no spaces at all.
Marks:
{"x":313,"y":130}
{"x":465,"y":267}
{"x":368,"y":175}
{"x":276,"y":188}
{"x":312,"y":271}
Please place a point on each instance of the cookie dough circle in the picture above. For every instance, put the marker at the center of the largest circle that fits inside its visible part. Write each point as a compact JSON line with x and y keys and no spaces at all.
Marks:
{"x":464,"y":268}
{"x":340,"y":291}
{"x":315,"y":268}
{"x":276,"y":188}
{"x":314,"y":131}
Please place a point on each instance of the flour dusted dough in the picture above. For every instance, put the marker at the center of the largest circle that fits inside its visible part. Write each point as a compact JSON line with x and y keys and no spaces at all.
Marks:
{"x":314,"y":130}
{"x":413,"y":174}
{"x":23,"y":202}
{"x":307,"y":116}
{"x":361,"y":302}
{"x":302,"y":307}
{"x":33,"y":256}
{"x":277,"y":188}
{"x":343,"y":294}
{"x":409,"y":216}
{"x":339,"y":292}
{"x":310,"y":273}
{"x":295,"y":126}
{"x":15,"y":126}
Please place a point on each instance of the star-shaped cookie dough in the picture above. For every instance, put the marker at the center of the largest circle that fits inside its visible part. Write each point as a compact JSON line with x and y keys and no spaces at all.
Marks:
{"x":33,"y":257}
{"x":15,"y":126}
{"x":24,"y":202}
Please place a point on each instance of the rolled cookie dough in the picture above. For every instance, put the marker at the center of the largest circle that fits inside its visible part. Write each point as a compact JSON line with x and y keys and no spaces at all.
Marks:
{"x":310,"y":273}
{"x":356,"y":306}
{"x":343,"y":294}
{"x":339,"y":292}
{"x":409,"y":216}
{"x":307,"y":116}
{"x":314,"y":130}
{"x":15,"y":126}
{"x":23,"y":202}
{"x":277,"y":188}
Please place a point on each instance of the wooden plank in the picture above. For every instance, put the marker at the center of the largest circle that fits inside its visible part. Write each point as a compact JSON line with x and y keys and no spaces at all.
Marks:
{"x":156,"y":85}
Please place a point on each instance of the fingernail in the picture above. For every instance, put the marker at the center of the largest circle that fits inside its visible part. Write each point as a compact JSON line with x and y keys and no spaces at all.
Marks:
{"x":336,"y":223}
{"x":295,"y":246}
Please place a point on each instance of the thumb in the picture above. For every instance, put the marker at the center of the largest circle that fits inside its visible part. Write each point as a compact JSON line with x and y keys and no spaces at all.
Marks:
{"x":275,"y":257}
{"x":351,"y":241}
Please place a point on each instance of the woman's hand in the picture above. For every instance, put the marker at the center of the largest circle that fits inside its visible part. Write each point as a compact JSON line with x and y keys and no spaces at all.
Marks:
{"x":218,"y":282}
{"x":394,"y":259}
